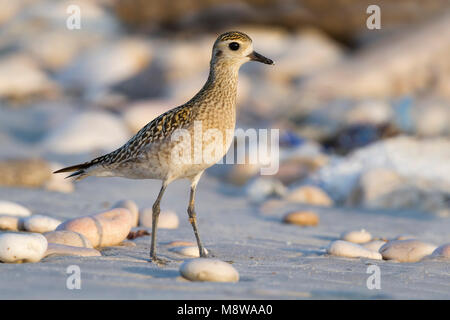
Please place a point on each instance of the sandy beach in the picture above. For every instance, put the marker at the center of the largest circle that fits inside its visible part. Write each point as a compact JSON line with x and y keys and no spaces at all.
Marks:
{"x":275,"y":260}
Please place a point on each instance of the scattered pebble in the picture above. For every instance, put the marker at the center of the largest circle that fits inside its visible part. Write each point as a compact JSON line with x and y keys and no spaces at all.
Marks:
{"x":167,"y":219}
{"x":406,"y":250}
{"x":259,"y":189}
{"x":104,"y":229}
{"x":22,"y":172}
{"x":58,"y":182}
{"x":10,"y":223}
{"x":54,"y":249}
{"x":356,"y":236}
{"x":13,"y":209}
{"x":214,"y":270}
{"x":310,"y":195}
{"x":68,"y":238}
{"x":181,"y":244}
{"x":40,"y":224}
{"x":302,"y":218}
{"x":442,"y":251}
{"x":374,"y":245}
{"x":132,"y":207}
{"x":188,"y":251}
{"x":22,"y":247}
{"x":351,"y":250}
{"x":87,"y":131}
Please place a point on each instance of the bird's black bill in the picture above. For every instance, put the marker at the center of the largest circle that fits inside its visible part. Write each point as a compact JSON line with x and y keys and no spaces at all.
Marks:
{"x":255,"y":56}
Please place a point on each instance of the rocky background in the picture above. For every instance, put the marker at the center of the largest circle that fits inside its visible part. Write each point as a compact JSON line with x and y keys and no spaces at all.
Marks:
{"x":363,"y":114}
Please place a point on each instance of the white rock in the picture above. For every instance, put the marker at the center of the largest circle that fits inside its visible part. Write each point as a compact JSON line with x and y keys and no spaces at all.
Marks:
{"x":108,"y":64}
{"x":68,"y":238}
{"x":214,"y":270}
{"x":11,"y":223}
{"x":259,"y":189}
{"x":167,"y":219}
{"x":356,"y":236}
{"x":22,"y":247}
{"x":425,"y":159}
{"x":374,"y":245}
{"x":442,"y":251}
{"x":351,"y":250}
{"x":20,"y":76}
{"x":39,"y":223}
{"x":188,"y":251}
{"x":55,"y":249}
{"x":406,"y":250}
{"x":132,"y":207}
{"x":13,"y":209}
{"x":87,"y":132}
{"x":58,"y":182}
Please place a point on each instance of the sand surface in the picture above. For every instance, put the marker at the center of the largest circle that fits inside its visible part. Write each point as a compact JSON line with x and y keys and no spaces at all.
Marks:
{"x":275,"y":261}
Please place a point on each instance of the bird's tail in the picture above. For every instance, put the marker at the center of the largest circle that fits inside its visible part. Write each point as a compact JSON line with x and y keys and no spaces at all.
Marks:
{"x":80,"y":170}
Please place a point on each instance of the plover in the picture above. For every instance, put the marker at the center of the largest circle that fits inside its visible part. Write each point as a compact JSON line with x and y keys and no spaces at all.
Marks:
{"x":150,"y":154}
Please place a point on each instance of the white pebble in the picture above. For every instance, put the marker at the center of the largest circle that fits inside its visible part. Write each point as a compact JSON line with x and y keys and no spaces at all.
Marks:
{"x":10,"y":223}
{"x":406,"y":250}
{"x":356,"y":236}
{"x":214,"y":270}
{"x":55,"y":249}
{"x":442,"y":251}
{"x":167,"y":219}
{"x":13,"y":209}
{"x":351,"y":250}
{"x":132,"y":207}
{"x":188,"y":251}
{"x":374,"y":245}
{"x":22,"y":247}
{"x":40,"y":224}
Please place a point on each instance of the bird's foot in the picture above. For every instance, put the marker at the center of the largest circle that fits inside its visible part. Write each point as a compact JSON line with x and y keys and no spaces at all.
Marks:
{"x":206,"y":254}
{"x":159,"y":261}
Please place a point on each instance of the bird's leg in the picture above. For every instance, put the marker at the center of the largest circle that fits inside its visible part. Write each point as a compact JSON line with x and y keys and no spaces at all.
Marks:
{"x":193,"y":216}
{"x":155,"y":216}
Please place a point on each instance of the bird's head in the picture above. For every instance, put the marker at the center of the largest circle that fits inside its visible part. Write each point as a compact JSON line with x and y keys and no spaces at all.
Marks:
{"x":236,"y":47}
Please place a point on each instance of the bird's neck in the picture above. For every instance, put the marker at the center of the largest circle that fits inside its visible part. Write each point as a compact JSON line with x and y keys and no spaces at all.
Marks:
{"x":222,"y":83}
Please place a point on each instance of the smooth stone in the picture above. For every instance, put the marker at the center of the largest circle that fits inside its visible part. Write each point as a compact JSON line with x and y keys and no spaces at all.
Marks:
{"x":22,"y":247}
{"x":374,"y":245}
{"x":302,"y":218}
{"x":309,"y":195}
{"x":357,"y":236}
{"x":351,"y":250}
{"x":55,"y":249}
{"x":105,"y":229}
{"x":214,"y":270}
{"x":68,"y":238}
{"x":167,"y":219}
{"x":13,"y":209}
{"x":406,"y":250}
{"x":132,"y":207}
{"x":87,"y":131}
{"x":39,"y":223}
{"x":58,"y":182}
{"x":260,"y":188}
{"x":181,"y":244}
{"x":10,"y":223}
{"x":442,"y":251}
{"x":188,"y":251}
{"x":24,"y":172}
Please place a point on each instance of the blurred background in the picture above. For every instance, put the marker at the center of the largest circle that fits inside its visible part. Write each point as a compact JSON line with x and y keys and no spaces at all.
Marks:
{"x":363,"y":114}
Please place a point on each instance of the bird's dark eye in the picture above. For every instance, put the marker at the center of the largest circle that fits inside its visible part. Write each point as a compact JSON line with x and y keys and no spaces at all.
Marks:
{"x":234,"y":46}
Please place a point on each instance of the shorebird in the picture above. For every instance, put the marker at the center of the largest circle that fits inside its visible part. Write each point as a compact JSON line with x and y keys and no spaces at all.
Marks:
{"x":153,"y":153}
